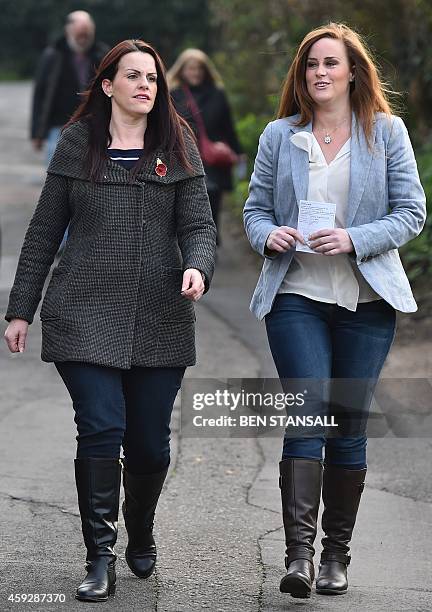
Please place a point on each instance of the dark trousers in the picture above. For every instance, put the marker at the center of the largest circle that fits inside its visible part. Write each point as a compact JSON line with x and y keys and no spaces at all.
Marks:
{"x":316,"y":340}
{"x":116,"y":407}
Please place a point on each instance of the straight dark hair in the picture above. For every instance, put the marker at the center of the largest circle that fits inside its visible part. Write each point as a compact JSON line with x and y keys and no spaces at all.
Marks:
{"x":164,"y":126}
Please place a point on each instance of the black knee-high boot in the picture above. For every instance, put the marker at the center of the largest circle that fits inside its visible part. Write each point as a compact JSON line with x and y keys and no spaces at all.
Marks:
{"x":300,"y":484}
{"x":141,"y":497}
{"x":342,"y":491}
{"x":98,"y":487}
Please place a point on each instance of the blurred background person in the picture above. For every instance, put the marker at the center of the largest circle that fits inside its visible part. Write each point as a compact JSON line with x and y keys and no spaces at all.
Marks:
{"x":198,"y":93}
{"x":64,"y":71}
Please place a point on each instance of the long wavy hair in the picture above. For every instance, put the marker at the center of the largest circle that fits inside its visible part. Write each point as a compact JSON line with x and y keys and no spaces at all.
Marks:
{"x":175,"y":73}
{"x":368,"y":93}
{"x":165,"y":128}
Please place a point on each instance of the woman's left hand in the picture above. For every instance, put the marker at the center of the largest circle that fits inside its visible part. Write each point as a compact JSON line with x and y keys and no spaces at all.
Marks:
{"x":193,"y":284}
{"x":331,"y":241}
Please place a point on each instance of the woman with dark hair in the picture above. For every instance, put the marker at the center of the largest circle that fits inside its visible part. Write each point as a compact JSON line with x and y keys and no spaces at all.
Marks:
{"x":118,"y":317}
{"x":329,"y":297}
{"x":198,"y":94}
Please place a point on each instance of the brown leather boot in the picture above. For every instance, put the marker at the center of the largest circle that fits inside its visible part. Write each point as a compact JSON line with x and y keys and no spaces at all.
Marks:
{"x":341,"y":493}
{"x":300,"y":485}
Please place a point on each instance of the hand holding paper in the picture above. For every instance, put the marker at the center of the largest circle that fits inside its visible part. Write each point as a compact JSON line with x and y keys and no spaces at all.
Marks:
{"x":314,"y":216}
{"x":283,"y":238}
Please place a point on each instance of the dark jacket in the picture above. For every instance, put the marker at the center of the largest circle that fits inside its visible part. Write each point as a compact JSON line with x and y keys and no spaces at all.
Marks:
{"x":56,"y":90}
{"x":114,"y":299}
{"x":216,"y":114}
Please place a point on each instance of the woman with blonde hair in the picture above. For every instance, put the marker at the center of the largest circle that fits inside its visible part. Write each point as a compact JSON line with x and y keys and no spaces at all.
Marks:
{"x":329,"y":297}
{"x":198,"y":94}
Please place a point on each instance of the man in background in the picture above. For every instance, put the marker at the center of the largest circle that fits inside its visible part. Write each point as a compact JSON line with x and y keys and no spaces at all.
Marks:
{"x":65,"y":69}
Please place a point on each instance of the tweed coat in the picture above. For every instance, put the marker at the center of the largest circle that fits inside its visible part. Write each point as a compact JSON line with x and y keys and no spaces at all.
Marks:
{"x":114,"y":298}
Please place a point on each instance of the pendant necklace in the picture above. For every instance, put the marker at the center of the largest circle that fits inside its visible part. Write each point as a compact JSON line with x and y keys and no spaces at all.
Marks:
{"x":327,"y":138}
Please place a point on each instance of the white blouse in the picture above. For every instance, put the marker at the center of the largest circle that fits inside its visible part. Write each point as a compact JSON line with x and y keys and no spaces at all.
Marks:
{"x":333,"y":279}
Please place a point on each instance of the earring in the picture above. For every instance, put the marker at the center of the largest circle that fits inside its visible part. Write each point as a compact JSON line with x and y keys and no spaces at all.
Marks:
{"x":109,"y":95}
{"x":351,"y":79}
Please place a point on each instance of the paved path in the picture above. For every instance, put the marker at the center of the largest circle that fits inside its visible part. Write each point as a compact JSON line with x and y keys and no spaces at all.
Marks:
{"x":218,"y":523}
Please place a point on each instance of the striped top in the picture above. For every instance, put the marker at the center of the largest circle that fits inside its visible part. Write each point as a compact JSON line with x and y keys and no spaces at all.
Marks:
{"x":125,"y":157}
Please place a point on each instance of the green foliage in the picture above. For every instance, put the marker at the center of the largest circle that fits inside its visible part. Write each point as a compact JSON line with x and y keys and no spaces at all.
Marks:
{"x":249,"y":128}
{"x":417,"y":254}
{"x":237,"y":198}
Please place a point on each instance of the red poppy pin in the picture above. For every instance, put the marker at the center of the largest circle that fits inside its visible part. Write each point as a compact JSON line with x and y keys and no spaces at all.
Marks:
{"x":160,"y":169}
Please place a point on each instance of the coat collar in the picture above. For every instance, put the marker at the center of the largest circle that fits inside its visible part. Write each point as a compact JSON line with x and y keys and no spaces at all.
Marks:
{"x":71,"y":149}
{"x":360,"y":162}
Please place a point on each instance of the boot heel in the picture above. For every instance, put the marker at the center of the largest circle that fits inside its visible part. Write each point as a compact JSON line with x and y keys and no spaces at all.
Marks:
{"x":112,"y":589}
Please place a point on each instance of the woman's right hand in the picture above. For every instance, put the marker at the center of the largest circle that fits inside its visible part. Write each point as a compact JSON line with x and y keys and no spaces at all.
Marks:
{"x":16,"y":334}
{"x":283,"y":238}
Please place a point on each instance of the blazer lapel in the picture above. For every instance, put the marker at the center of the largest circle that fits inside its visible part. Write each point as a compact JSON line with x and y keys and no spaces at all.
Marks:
{"x":300,"y":165}
{"x":361,"y":159}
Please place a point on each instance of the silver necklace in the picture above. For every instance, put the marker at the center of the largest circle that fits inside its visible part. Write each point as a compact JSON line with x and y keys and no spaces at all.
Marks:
{"x":327,"y":138}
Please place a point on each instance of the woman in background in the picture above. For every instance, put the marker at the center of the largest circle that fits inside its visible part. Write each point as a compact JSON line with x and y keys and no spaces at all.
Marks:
{"x":198,"y":94}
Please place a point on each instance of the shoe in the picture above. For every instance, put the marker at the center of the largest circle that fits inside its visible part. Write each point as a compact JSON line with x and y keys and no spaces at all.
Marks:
{"x":98,"y":487}
{"x":300,"y":485}
{"x":342,"y":490}
{"x":142,"y":493}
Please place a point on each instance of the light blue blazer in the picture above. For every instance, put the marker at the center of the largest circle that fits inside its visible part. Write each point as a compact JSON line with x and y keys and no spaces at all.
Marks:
{"x":386,"y":205}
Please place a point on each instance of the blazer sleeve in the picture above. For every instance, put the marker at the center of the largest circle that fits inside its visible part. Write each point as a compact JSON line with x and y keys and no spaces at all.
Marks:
{"x":196,"y":230}
{"x":41,"y":243}
{"x":406,"y":199}
{"x":258,"y":213}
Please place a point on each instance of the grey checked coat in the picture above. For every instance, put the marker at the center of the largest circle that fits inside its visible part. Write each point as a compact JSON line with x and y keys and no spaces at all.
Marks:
{"x":114,"y":299}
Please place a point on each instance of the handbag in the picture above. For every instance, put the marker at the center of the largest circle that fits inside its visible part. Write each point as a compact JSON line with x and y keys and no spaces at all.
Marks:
{"x":212,"y":153}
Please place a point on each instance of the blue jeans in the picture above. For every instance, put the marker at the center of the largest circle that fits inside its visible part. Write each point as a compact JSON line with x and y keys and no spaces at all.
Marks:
{"x":52,"y":139}
{"x":311,"y":339}
{"x":116,"y":407}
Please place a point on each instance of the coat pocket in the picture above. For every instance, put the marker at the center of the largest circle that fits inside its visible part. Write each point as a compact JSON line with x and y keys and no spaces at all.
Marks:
{"x":174,"y":306}
{"x":176,"y":343}
{"x":52,"y":302}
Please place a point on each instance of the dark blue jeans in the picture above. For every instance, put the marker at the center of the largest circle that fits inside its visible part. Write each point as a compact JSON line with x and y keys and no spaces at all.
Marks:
{"x":311,"y":339}
{"x":116,"y":407}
